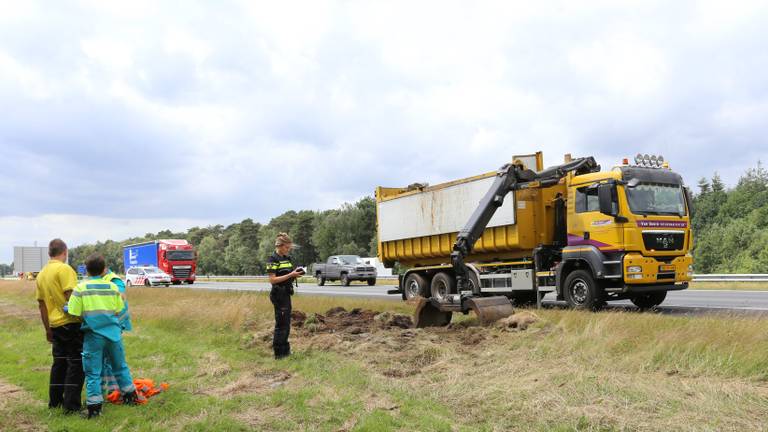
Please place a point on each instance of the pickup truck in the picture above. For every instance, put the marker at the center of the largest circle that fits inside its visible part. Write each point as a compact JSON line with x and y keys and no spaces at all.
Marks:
{"x":344,"y":268}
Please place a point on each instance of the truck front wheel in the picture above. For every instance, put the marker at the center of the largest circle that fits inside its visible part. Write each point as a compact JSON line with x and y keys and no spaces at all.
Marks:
{"x":415,"y":286}
{"x":320,"y":280}
{"x":649,"y":300}
{"x":371,"y":281}
{"x":345,"y":279}
{"x":581,"y":291}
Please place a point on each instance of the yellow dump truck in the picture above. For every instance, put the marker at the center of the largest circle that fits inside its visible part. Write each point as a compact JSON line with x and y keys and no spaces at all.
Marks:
{"x":518,"y":233}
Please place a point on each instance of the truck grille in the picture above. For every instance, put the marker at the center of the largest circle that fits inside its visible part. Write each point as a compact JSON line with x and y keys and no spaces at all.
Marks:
{"x":663,"y":241}
{"x":364,"y":269}
{"x":181,"y":273}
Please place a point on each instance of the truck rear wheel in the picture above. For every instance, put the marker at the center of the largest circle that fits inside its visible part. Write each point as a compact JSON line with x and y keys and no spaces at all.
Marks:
{"x":345,"y":279}
{"x":320,"y":280}
{"x":415,"y":286}
{"x":649,"y":300}
{"x":581,"y":291}
{"x":443,"y":284}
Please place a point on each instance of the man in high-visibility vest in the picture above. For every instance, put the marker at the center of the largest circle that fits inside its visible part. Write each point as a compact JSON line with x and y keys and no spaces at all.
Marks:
{"x":99,"y":302}
{"x":108,"y":381}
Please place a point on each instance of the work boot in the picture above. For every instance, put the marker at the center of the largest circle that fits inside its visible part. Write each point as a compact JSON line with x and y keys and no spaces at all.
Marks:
{"x":130,"y":398}
{"x":93,"y":411}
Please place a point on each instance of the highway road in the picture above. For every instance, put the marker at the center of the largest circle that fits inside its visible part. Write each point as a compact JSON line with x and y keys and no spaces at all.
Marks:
{"x":677,"y":302}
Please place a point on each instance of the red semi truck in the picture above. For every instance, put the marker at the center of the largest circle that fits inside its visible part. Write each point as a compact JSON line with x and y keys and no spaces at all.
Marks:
{"x":177,"y":258}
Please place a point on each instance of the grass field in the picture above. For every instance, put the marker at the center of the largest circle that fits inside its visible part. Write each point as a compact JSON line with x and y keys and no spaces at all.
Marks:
{"x":568,"y":371}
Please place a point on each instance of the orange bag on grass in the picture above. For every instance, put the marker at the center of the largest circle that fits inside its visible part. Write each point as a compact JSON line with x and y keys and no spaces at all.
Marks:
{"x":145,"y":389}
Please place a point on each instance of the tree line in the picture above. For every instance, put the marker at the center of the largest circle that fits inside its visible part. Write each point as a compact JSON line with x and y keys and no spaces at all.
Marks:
{"x":731,"y":225}
{"x":243,"y":248}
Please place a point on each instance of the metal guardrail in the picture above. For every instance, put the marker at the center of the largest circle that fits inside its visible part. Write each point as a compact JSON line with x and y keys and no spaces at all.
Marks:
{"x":730,"y":278}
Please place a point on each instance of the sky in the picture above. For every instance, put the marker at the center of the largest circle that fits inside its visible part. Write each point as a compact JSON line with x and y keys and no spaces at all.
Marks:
{"x":122,"y":118}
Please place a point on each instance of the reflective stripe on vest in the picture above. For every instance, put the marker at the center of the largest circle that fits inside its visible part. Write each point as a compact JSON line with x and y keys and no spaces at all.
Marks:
{"x":280,"y":265}
{"x":97,"y":295}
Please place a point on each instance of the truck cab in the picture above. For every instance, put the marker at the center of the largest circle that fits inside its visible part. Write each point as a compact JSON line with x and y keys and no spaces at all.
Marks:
{"x":628,"y":236}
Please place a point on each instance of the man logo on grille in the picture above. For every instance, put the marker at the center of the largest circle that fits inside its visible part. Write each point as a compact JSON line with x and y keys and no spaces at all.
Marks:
{"x":664,"y":241}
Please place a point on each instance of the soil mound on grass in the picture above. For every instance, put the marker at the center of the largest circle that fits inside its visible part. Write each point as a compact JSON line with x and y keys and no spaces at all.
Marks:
{"x":355,"y":321}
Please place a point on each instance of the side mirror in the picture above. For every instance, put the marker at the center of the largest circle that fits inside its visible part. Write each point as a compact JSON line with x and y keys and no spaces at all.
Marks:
{"x":605,"y":194}
{"x":688,"y":201}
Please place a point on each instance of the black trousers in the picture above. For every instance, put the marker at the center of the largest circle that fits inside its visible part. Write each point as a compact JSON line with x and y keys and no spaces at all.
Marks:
{"x":66,"y":385}
{"x":281,"y":300}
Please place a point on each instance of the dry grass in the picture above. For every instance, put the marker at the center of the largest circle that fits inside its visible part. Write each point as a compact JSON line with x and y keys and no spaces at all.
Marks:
{"x":567,"y":371}
{"x":742,"y":286}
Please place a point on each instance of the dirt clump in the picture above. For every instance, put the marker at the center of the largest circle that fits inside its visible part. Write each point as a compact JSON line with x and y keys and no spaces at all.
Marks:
{"x":298,"y":318}
{"x":518,"y":321}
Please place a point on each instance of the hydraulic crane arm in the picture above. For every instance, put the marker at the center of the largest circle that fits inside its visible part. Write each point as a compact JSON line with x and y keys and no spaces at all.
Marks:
{"x":509,"y":178}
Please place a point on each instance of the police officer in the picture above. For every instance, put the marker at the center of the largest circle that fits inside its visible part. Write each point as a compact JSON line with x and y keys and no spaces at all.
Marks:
{"x":282,"y":273}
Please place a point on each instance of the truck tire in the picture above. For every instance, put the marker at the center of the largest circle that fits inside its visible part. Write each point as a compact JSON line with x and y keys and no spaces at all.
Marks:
{"x":320,"y":280}
{"x":415,"y":286}
{"x":371,"y":282}
{"x":582,"y":292}
{"x":147,"y":283}
{"x":128,"y":283}
{"x":443,"y":284}
{"x":344,"y":279}
{"x":649,"y":300}
{"x":190,"y":282}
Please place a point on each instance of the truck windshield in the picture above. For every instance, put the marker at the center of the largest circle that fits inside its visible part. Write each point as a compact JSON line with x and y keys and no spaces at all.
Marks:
{"x":180,"y":255}
{"x":350,"y":259}
{"x":652,"y":198}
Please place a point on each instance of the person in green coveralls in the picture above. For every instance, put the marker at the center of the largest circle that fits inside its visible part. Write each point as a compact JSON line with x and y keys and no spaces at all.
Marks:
{"x":99,"y":302}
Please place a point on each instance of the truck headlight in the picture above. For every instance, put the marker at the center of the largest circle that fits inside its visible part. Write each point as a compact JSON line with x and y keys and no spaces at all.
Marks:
{"x":635,"y":276}
{"x":634,"y":269}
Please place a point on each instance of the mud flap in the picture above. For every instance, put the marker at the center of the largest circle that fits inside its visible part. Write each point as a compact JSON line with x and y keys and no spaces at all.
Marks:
{"x":490,"y":309}
{"x":428,"y":315}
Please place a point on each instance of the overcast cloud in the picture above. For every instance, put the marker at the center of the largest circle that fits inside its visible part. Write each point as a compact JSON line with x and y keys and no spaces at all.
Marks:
{"x":133,"y":117}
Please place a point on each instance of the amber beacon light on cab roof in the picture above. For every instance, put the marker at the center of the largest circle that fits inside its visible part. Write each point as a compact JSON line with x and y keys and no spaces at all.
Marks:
{"x":511,"y":236}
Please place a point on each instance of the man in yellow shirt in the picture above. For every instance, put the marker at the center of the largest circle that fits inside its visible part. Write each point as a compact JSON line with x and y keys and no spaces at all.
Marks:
{"x":55,"y":283}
